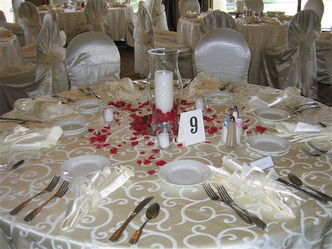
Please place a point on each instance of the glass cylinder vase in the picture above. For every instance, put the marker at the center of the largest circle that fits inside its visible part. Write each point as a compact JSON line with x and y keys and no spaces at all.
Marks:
{"x":164,"y":87}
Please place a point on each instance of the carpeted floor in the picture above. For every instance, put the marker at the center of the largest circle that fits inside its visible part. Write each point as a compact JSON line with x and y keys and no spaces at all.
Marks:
{"x":128,"y":70}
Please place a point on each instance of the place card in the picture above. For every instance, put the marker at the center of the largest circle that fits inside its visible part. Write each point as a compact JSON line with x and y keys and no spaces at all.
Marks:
{"x":191,"y":128}
{"x":263,"y":163}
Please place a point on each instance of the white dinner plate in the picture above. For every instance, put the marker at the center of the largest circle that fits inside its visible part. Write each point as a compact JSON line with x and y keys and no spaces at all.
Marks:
{"x":89,"y":106}
{"x":83,"y":165}
{"x":72,"y":127}
{"x":184,"y":173}
{"x":219,"y":97}
{"x":268,"y":144}
{"x":271,"y":114}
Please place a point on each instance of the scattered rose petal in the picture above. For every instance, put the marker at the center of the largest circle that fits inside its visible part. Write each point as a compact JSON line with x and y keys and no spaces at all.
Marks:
{"x":151,"y":172}
{"x":160,"y":163}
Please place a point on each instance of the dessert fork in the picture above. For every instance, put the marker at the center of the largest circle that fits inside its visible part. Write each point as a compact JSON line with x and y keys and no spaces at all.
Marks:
{"x":49,"y":188}
{"x":227,"y":199}
{"x":61,"y":192}
{"x":213,"y":196}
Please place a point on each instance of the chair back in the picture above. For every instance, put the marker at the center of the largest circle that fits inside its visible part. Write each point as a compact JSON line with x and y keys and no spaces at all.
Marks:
{"x":92,"y":57}
{"x":189,"y":5}
{"x":255,"y":5}
{"x":51,"y":74}
{"x":16,"y":5}
{"x":223,"y":54}
{"x":29,"y":21}
{"x":3,"y":21}
{"x":217,"y":19}
{"x":95,"y":13}
{"x":144,"y":40}
{"x":315,"y":5}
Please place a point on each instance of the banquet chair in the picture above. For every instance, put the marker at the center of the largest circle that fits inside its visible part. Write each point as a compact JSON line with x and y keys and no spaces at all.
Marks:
{"x":46,"y":77}
{"x":29,"y":22}
{"x":15,"y":6}
{"x":255,"y":5}
{"x":315,"y":5}
{"x":92,"y":57}
{"x":217,"y":19}
{"x":294,"y":64}
{"x":324,"y":58}
{"x":3,"y":21}
{"x":224,"y":54}
{"x":145,"y":39}
{"x":189,"y":5}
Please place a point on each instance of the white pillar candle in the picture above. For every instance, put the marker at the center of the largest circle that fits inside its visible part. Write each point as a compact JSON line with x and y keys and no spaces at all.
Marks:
{"x":163,"y":140}
{"x":108,"y":115}
{"x":199,"y":104}
{"x":164,"y":90}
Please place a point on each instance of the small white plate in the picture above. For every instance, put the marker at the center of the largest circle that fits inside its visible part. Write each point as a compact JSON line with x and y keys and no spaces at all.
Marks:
{"x":268,"y":144}
{"x":72,"y":127}
{"x":89,"y":106}
{"x":219,"y":97}
{"x":271,"y":114}
{"x":83,"y":165}
{"x":184,"y":173}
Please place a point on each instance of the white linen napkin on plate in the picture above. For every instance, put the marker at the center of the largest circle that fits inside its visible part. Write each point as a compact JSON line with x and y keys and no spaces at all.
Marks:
{"x":122,"y":90}
{"x":259,"y":186}
{"x":23,"y":139}
{"x":89,"y":190}
{"x":47,"y":107}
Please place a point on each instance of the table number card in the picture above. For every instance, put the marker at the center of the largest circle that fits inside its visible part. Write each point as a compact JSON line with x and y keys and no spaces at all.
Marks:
{"x":263,"y":163}
{"x":191,"y":128}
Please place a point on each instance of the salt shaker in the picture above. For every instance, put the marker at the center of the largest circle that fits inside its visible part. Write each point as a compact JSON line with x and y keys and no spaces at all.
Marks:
{"x":165,"y":136}
{"x":231,"y":133}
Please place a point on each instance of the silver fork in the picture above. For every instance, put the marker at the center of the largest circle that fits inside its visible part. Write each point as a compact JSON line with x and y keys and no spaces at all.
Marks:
{"x":85,"y":93}
{"x":328,"y":152}
{"x":227,"y":199}
{"x":213,"y":196}
{"x":61,"y":192}
{"x":49,"y":188}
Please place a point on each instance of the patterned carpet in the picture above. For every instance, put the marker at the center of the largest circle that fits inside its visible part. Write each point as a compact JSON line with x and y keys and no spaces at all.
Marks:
{"x":128,"y":70}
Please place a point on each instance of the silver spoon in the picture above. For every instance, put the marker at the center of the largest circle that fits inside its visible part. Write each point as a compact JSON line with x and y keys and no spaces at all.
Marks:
{"x":297,"y":181}
{"x":151,"y":213}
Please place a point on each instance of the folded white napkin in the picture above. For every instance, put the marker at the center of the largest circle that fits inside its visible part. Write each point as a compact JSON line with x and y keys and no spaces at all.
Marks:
{"x":89,"y":190}
{"x":202,"y":83}
{"x":23,"y":139}
{"x":259,"y":186}
{"x":283,"y":127}
{"x":47,"y":107}
{"x":268,"y":97}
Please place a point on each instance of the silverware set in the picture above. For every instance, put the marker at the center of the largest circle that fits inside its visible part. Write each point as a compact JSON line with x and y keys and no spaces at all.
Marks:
{"x":88,"y":92}
{"x":316,"y":151}
{"x":300,"y":108}
{"x":50,"y":187}
{"x":151,"y":213}
{"x":19,"y":120}
{"x":241,"y":212}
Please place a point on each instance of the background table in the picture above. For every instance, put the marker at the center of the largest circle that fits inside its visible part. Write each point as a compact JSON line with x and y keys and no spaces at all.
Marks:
{"x":258,"y":36}
{"x":188,"y":218}
{"x":11,"y":53}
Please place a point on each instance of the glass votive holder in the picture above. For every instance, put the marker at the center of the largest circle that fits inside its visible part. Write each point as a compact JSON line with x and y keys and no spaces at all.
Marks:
{"x":200,"y":103}
{"x":109,"y":115}
{"x":165,"y":136}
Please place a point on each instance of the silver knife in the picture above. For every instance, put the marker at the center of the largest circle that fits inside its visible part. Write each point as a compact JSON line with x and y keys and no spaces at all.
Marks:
{"x":93,"y":92}
{"x":319,"y":198}
{"x":140,"y":206}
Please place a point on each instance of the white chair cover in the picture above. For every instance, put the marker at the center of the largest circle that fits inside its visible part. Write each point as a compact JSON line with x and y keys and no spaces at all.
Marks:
{"x":294,"y":64}
{"x":29,"y":21}
{"x":189,"y":5}
{"x":324,"y":58}
{"x":223,"y":54}
{"x":217,"y":19}
{"x":95,"y":13}
{"x":315,"y":5}
{"x":145,"y":40}
{"x":3,"y":21}
{"x":51,"y":75}
{"x":92,"y":57}
{"x":16,"y":5}
{"x":255,"y":5}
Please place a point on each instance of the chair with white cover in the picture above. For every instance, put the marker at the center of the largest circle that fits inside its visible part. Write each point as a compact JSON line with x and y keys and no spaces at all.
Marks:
{"x":29,"y":22}
{"x":189,"y":5}
{"x":92,"y":57}
{"x":217,"y":19}
{"x":47,"y":77}
{"x":224,"y":54}
{"x":16,"y":5}
{"x":315,"y":5}
{"x":255,"y":5}
{"x":3,"y":21}
{"x":95,"y":14}
{"x":294,"y":64}
{"x":145,"y":39}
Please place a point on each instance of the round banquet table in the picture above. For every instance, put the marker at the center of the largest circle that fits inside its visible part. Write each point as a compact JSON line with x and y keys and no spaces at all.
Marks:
{"x":10,"y":51}
{"x":258,"y":36}
{"x":188,"y":218}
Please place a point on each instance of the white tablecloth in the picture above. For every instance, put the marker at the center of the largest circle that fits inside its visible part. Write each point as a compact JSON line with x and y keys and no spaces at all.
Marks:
{"x":258,"y":37}
{"x":10,"y":53}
